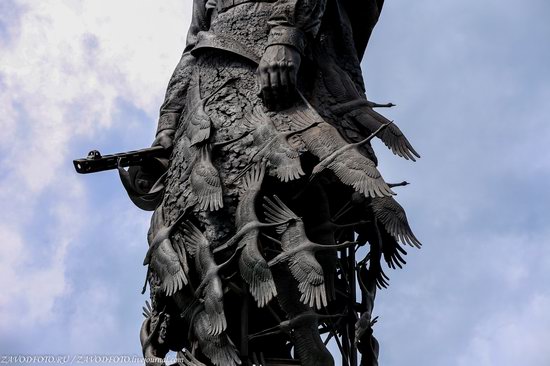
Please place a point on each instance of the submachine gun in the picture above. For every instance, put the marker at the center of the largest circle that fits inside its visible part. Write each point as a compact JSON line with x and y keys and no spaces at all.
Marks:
{"x":95,"y":162}
{"x":143,"y":181}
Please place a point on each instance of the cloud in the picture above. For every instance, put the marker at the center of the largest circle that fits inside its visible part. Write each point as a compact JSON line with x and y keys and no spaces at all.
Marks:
{"x":473,"y":104}
{"x":64,"y":75}
{"x":76,"y":75}
{"x":452,"y":300}
{"x":518,"y":336}
{"x":66,"y":67}
{"x":88,"y":336}
{"x":32,"y":281}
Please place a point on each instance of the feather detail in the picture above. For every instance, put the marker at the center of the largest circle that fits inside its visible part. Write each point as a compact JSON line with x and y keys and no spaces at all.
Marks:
{"x":206,"y":183}
{"x":394,"y":219}
{"x":218,"y":348}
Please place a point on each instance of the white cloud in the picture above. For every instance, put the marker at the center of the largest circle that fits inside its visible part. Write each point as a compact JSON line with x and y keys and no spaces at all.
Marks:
{"x":62,"y":74}
{"x":28,"y":293}
{"x":88,"y":336}
{"x":68,"y":64}
{"x":32,"y":282}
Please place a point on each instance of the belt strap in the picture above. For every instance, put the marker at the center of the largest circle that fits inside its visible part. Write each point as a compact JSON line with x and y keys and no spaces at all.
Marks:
{"x":223,"y":5}
{"x":207,"y":40}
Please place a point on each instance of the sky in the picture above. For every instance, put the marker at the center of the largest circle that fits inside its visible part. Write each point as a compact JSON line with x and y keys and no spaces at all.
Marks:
{"x":471,"y":81}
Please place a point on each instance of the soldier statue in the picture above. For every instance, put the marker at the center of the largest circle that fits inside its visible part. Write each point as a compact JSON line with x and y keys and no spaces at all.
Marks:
{"x":263,"y":185}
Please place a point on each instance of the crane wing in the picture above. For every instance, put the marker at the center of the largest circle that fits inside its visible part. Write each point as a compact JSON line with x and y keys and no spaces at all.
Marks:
{"x":165,"y":262}
{"x":392,"y":215}
{"x":213,"y":306}
{"x":392,"y":251}
{"x":219,"y":349}
{"x":358,"y":171}
{"x":277,"y":211}
{"x":392,"y":136}
{"x":285,"y":160}
{"x":206,"y":183}
{"x":193,"y":238}
{"x":311,"y":281}
{"x":255,"y":271}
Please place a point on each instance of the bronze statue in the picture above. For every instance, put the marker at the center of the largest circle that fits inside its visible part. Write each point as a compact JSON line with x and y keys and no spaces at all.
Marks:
{"x":264,"y":184}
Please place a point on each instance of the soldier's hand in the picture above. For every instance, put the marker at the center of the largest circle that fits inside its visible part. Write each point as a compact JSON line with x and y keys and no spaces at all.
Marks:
{"x":277,"y":75}
{"x":165,"y":138}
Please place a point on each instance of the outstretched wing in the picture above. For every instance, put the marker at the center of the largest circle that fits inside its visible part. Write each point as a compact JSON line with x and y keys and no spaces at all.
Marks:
{"x":255,"y":271}
{"x":392,"y":251}
{"x":213,"y":306}
{"x":197,"y":123}
{"x":255,"y":117}
{"x":392,"y":215}
{"x":358,"y":171}
{"x":166,"y":264}
{"x":219,"y":349}
{"x":303,"y":265}
{"x":193,"y":238}
{"x":284,"y":159}
{"x":375,"y":267}
{"x":311,"y":281}
{"x":198,"y":126}
{"x":392,"y":136}
{"x":252,"y":183}
{"x":277,"y":211}
{"x":302,"y":114}
{"x":258,"y":121}
{"x":206,"y":183}
{"x":321,"y":140}
{"x":147,"y":309}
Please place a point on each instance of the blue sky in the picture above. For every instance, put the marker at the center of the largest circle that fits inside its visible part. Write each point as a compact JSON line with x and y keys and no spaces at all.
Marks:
{"x":471,"y":82}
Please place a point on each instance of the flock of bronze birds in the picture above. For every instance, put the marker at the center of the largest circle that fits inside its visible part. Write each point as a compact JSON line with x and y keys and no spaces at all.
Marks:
{"x":277,"y":153}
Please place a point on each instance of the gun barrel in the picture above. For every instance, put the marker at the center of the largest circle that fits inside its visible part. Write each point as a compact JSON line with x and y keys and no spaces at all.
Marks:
{"x":95,"y":162}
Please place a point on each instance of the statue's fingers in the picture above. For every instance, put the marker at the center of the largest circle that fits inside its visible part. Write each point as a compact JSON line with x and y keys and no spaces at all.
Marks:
{"x":268,"y":98}
{"x":275,"y":82}
{"x":263,"y":76}
{"x":286,"y":84}
{"x":265,"y":87}
{"x":289,"y":88}
{"x":292,"y":75}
